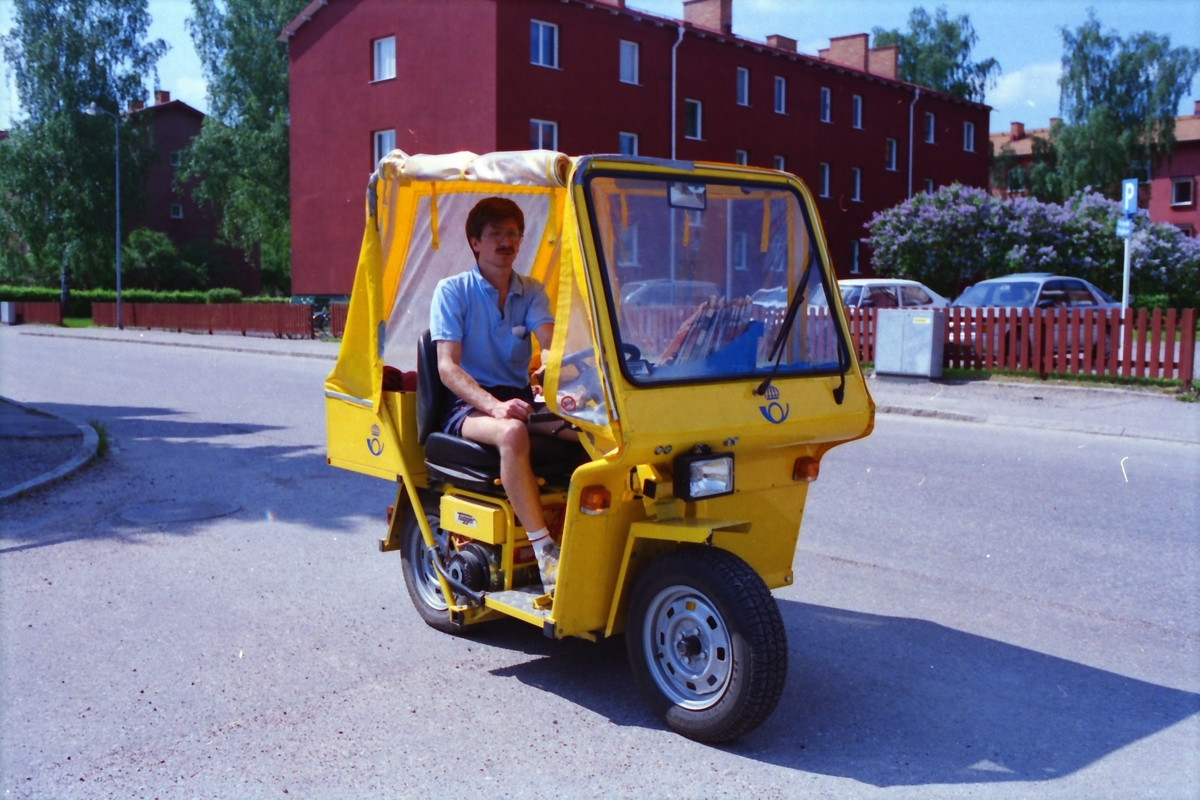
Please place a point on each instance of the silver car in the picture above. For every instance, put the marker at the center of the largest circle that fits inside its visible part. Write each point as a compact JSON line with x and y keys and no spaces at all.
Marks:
{"x":1034,"y":290}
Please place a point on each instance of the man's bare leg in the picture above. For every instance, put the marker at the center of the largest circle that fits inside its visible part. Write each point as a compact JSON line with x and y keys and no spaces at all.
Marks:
{"x":511,"y":438}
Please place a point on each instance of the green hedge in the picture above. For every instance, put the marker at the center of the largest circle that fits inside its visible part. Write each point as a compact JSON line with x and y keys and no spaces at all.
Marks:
{"x":81,"y":300}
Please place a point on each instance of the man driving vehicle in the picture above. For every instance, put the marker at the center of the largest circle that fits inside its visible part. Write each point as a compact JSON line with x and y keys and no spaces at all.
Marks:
{"x":481,"y":321}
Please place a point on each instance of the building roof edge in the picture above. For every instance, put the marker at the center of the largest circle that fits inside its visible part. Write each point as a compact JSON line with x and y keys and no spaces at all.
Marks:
{"x":304,"y":16}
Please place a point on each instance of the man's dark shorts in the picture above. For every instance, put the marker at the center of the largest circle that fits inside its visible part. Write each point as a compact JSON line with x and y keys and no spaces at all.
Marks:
{"x":460,"y":409}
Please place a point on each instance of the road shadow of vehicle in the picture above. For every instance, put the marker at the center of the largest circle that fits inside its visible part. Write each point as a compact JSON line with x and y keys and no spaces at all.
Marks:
{"x":895,"y":701}
{"x":159,"y":456}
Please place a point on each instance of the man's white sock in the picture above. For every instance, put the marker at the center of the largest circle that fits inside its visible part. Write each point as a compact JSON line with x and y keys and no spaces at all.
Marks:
{"x":540,"y":539}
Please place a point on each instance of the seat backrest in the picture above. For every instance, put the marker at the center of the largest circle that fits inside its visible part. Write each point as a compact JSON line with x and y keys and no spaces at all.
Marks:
{"x":431,"y":392}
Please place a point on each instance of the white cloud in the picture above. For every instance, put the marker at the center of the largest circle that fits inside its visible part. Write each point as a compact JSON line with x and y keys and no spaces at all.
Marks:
{"x":1028,"y":95}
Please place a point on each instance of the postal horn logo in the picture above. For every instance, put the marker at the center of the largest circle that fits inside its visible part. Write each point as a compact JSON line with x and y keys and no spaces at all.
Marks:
{"x":774,"y":412}
{"x":373,"y":442}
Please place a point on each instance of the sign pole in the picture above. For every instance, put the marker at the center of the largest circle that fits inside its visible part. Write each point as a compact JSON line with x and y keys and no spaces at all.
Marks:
{"x":1129,"y":188}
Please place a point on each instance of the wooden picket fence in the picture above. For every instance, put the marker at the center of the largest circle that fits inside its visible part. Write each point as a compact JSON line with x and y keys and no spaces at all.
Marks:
{"x":284,"y":320}
{"x":49,"y":313}
{"x":337,"y":319}
{"x":1079,"y":341}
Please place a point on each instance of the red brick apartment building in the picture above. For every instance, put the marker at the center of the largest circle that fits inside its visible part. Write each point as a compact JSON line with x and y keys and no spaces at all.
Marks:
{"x":1172,"y":189}
{"x":173,"y":212}
{"x":433,"y":76}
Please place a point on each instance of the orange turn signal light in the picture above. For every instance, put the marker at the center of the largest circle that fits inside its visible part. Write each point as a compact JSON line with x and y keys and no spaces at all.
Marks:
{"x":594,"y":500}
{"x":806,"y":469}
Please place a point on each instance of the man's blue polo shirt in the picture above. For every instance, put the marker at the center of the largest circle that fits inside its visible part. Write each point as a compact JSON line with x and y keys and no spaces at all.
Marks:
{"x":496,"y":348}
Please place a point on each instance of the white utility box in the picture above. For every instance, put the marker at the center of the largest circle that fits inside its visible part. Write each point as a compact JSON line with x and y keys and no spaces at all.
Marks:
{"x":909,"y":341}
{"x":8,"y":313}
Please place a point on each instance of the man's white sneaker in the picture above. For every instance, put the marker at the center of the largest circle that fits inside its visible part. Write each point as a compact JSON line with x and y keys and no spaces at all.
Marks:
{"x":547,"y":558}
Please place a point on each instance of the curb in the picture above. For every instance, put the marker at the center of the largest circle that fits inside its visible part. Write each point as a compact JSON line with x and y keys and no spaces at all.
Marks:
{"x":86,"y":452}
{"x":1021,"y":422}
{"x":196,"y":346}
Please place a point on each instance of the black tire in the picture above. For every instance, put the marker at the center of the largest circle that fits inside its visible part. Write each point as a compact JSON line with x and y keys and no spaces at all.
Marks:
{"x":716,"y":610}
{"x":419,"y":576}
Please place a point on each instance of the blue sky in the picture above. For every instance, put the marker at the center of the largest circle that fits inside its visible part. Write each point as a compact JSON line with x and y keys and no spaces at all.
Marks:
{"x":1023,"y":35}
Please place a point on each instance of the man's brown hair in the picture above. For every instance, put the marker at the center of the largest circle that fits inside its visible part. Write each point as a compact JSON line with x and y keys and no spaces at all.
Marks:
{"x":493,"y":210}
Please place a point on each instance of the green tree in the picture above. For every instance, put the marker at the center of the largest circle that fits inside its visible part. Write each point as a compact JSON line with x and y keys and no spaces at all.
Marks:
{"x":56,"y":169}
{"x":936,"y":52}
{"x":150,"y":260}
{"x":1119,"y":99}
{"x":241,"y":154}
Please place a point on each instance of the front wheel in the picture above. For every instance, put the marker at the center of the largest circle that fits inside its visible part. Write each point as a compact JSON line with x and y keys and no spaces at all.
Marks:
{"x":706,"y":643}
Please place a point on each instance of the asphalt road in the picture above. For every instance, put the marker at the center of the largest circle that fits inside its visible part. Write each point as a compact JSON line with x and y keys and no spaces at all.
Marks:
{"x":980,"y":610}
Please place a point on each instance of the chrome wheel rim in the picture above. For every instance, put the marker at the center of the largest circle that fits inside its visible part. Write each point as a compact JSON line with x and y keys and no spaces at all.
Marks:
{"x":424,"y":572}
{"x":687,"y":647}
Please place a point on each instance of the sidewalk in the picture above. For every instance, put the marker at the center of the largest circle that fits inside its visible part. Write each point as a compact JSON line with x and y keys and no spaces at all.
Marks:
{"x":37,"y":449}
{"x":228,"y":342}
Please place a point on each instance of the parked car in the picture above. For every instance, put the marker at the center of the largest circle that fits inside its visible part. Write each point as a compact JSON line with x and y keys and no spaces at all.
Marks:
{"x":1034,"y":290}
{"x":889,"y":293}
{"x":664,"y":292}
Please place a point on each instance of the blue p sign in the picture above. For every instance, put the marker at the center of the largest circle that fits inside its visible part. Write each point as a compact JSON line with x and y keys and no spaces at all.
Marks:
{"x":1129,"y":188}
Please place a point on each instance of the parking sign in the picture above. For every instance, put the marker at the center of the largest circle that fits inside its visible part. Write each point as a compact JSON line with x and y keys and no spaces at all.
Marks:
{"x":1124,"y":228}
{"x":1129,"y":188}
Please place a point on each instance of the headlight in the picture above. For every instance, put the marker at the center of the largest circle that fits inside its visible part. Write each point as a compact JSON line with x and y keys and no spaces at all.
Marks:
{"x":703,"y":475}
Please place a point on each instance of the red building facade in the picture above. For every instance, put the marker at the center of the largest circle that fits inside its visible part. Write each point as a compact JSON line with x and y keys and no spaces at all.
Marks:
{"x":172,"y":210}
{"x":485,"y":75}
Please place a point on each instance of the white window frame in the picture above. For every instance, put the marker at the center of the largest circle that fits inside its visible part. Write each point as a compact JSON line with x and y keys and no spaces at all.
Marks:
{"x":537,"y":59}
{"x":543,"y":125}
{"x":969,"y":137}
{"x":379,"y":144}
{"x":929,"y":187}
{"x":855,"y":267}
{"x":823,"y":180}
{"x":780,"y":163}
{"x":383,"y":67}
{"x":856,"y":184}
{"x":1188,"y":182}
{"x":856,"y":112}
{"x":630,"y":57}
{"x":627,"y":253}
{"x":889,"y":155}
{"x":930,"y":128}
{"x":176,"y":211}
{"x":176,"y":158}
{"x":737,"y":251}
{"x":780,"y":95}
{"x":743,"y":86}
{"x":741,"y":157}
{"x":826,"y":104}
{"x":699,"y":132}
{"x":622,"y":136}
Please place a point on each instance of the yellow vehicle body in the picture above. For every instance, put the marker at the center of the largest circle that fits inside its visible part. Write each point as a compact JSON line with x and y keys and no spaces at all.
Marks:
{"x":631,"y":432}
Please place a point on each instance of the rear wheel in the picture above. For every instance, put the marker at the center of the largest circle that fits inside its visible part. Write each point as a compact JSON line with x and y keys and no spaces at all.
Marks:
{"x":420,"y":577}
{"x":706,"y":643}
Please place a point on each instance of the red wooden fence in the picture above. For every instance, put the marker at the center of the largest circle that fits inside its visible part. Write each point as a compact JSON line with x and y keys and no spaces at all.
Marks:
{"x":291,"y":320}
{"x":337,"y":319}
{"x":39,"y":313}
{"x":1155,"y":344}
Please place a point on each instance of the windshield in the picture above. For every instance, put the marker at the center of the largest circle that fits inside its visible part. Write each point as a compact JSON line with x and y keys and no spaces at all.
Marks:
{"x":700,"y":276}
{"x":1006,"y":294}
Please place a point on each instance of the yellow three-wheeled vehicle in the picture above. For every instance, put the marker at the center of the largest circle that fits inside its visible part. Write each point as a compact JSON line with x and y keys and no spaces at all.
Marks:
{"x":700,"y":349}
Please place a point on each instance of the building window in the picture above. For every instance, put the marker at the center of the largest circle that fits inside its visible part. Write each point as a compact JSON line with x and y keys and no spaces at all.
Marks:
{"x":929,"y":123}
{"x":889,"y":155}
{"x":856,"y":184}
{"x":826,"y":103}
{"x":780,"y":95}
{"x":929,"y":186}
{"x":741,"y":157}
{"x":854,"y":249}
{"x":543,"y":135}
{"x":692,"y":119}
{"x":384,"y":143}
{"x":629,"y":62}
{"x":737,"y":248}
{"x":1187,"y":229}
{"x":743,"y":86}
{"x":969,"y":137}
{"x":628,"y":144}
{"x":1181,"y":192}
{"x":823,"y":181}
{"x":176,"y":158}
{"x":627,"y":249}
{"x":384,"y":58}
{"x":856,"y":111}
{"x":779,"y":163}
{"x":543,"y":44}
{"x":176,"y":211}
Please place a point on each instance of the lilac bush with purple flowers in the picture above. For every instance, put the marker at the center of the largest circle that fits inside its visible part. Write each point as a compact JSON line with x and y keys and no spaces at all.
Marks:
{"x":961,"y":234}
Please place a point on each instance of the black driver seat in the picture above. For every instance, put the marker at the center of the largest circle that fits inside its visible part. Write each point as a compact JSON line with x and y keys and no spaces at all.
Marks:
{"x":470,"y":465}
